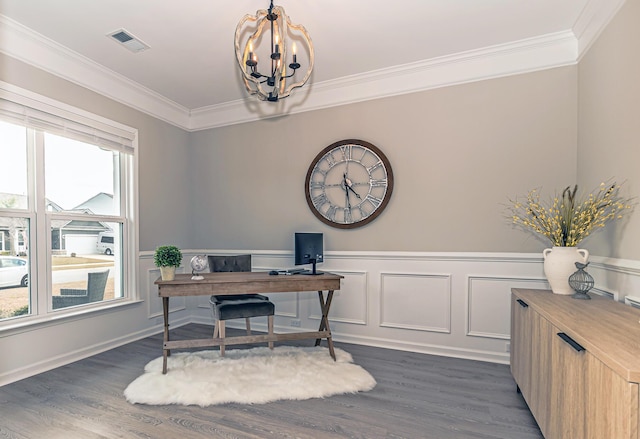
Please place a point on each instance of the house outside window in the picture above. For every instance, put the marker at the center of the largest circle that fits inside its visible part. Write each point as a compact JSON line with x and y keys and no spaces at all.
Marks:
{"x":67,"y":184}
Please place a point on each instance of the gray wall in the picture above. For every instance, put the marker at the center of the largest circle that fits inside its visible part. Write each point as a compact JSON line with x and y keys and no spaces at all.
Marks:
{"x":163,"y":158}
{"x":609,"y":124}
{"x":458,"y":154}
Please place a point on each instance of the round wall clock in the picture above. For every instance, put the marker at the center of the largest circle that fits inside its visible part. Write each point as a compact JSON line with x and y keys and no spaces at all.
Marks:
{"x":349,"y":184}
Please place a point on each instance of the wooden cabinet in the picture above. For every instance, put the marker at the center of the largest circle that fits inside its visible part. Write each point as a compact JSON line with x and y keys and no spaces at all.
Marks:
{"x":536,"y":351}
{"x":615,"y":396}
{"x":567,"y":375}
{"x":577,"y":364}
{"x":540,"y":396}
{"x":521,"y":344}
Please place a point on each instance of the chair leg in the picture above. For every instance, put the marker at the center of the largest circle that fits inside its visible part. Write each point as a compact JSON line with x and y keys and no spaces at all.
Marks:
{"x":215,"y":329}
{"x":221,"y":325}
{"x":248,"y":326}
{"x":270,"y":329}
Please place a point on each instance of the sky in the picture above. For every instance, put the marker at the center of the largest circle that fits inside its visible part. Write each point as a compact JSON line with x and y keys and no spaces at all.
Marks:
{"x":74,"y":171}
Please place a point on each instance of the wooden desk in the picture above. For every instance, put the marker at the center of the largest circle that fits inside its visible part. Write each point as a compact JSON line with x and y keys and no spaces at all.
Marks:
{"x":243,"y":283}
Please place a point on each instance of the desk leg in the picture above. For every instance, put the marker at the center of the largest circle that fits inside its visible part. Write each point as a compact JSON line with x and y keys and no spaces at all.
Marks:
{"x":165,"y":352}
{"x":324,"y":321}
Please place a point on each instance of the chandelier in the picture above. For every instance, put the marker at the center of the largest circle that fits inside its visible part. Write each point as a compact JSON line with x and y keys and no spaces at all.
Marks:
{"x":271,"y":35}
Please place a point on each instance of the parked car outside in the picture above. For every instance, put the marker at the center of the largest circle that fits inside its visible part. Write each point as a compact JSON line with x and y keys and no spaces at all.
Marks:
{"x":13,"y":271}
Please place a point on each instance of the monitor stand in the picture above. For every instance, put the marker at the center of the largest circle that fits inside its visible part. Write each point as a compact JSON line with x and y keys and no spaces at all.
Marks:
{"x":313,"y":269}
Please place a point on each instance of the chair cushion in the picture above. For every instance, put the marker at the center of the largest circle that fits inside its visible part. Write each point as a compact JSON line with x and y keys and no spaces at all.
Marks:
{"x":236,"y":309}
{"x":236,"y":297}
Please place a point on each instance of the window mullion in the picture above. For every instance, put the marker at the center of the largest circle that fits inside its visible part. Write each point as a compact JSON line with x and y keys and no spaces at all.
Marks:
{"x":40,"y":286}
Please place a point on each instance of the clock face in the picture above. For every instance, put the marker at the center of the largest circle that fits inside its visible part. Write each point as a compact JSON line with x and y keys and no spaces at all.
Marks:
{"x":349,"y":183}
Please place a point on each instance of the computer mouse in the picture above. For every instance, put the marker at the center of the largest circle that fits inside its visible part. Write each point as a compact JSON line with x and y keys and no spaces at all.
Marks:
{"x":273,"y":272}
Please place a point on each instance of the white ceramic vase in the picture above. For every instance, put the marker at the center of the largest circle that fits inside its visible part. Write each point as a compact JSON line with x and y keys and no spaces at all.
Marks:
{"x":559,"y":264}
{"x":168,"y":273}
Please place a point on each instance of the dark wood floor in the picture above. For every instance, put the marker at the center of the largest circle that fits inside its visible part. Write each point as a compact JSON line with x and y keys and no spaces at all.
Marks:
{"x":417,"y":396}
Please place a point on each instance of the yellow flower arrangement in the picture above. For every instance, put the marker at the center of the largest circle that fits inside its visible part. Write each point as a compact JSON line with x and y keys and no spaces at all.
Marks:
{"x":568,"y":220}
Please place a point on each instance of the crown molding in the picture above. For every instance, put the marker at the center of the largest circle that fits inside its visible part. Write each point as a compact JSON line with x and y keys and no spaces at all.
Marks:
{"x":21,"y":43}
{"x":548,"y":51}
{"x":593,"y":20}
{"x":539,"y":53}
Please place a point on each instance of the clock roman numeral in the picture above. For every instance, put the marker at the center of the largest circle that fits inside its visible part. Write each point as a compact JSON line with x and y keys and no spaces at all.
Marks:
{"x":381,"y":182}
{"x":373,"y":200}
{"x":319,"y":200}
{"x":346,"y":151}
{"x":331,"y":213}
{"x":331,"y":161}
{"x":374,"y":167}
{"x":319,"y":170}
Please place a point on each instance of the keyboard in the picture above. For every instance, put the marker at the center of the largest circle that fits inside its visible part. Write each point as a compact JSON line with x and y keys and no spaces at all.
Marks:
{"x":297,"y":270}
{"x":290,"y":271}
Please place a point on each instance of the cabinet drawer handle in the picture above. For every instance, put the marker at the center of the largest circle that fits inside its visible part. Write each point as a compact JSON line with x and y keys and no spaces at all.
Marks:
{"x":523,"y":303}
{"x":570,"y":341}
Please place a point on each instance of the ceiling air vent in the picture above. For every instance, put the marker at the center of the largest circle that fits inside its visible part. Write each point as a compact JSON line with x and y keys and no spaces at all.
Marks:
{"x":128,"y":40}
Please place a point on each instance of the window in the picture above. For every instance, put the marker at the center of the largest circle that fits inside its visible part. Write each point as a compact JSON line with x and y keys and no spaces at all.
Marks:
{"x":67,"y":240}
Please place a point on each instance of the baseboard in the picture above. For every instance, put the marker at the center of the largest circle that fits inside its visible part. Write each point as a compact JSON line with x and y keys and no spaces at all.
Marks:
{"x":441,"y":351}
{"x":89,"y":351}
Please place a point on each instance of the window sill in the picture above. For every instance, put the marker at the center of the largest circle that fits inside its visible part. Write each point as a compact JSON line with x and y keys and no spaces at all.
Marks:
{"x":26,"y":324}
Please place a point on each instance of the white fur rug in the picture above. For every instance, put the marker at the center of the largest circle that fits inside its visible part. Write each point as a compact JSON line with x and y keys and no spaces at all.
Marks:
{"x":248,"y":376}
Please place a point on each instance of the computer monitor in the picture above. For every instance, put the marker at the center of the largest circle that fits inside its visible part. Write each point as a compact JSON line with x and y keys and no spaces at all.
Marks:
{"x":309,"y":250}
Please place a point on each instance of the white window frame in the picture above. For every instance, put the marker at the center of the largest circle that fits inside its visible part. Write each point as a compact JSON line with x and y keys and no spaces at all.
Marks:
{"x":41,"y":112}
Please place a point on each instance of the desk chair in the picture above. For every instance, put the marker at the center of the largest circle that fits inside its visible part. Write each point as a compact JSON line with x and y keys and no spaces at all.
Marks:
{"x":237,"y":306}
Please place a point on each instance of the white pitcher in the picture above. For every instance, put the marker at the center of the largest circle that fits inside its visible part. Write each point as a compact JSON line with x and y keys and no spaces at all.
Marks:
{"x":559,"y":264}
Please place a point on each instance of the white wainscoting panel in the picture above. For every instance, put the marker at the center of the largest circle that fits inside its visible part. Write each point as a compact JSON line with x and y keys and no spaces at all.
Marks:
{"x":416,"y":301}
{"x":490,"y":296}
{"x":613,"y":280}
{"x":203,"y":301}
{"x":349,"y":305}
{"x":287,"y":304}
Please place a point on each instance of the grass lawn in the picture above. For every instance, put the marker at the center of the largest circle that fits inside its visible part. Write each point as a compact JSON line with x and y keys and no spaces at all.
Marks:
{"x":61,"y":262}
{"x":14,"y":298}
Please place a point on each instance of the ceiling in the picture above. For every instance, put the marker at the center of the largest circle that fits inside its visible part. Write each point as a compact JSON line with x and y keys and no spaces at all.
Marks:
{"x":364,"y":49}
